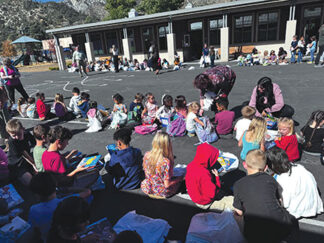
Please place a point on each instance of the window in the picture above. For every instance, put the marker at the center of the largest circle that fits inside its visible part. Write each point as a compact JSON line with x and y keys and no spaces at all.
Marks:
{"x":163,"y":31}
{"x":312,"y":12}
{"x":243,"y":29}
{"x":196,"y":26}
{"x":268,"y":26}
{"x":148,"y":38}
{"x":97,"y":44}
{"x":130,"y":36}
{"x":111,"y":39}
{"x":214,"y":31}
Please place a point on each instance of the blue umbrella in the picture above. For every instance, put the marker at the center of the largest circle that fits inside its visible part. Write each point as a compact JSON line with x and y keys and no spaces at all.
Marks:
{"x":25,"y":39}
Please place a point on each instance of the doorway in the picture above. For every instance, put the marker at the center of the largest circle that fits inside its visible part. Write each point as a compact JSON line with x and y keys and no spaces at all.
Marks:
{"x":311,"y":22}
{"x":196,"y":39}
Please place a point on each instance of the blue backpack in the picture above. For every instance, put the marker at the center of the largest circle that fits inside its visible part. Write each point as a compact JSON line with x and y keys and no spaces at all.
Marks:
{"x":206,"y":133}
{"x":177,"y":125}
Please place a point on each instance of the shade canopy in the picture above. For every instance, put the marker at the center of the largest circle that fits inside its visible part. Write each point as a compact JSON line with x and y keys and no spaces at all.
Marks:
{"x":25,"y":39}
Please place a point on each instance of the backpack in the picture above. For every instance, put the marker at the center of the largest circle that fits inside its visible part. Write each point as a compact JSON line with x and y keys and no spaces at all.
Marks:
{"x":134,"y":115}
{"x":206,"y":133}
{"x":146,"y":129}
{"x":177,"y":125}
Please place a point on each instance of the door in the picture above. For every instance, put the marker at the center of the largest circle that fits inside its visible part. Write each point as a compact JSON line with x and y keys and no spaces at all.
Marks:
{"x":196,"y":39}
{"x":311,"y":22}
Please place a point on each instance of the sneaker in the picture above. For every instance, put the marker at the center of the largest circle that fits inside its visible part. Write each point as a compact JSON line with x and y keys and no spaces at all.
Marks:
{"x":309,"y":62}
{"x":318,"y":66}
{"x":191,"y":134}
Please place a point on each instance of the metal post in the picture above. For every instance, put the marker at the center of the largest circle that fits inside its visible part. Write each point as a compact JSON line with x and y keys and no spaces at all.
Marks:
{"x":125,"y":33}
{"x":293,"y":12}
{"x":290,"y":12}
{"x":170,"y":26}
{"x":87,"y":37}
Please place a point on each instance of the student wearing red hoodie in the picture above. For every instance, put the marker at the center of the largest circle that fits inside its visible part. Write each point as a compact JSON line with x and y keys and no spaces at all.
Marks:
{"x":202,"y":180}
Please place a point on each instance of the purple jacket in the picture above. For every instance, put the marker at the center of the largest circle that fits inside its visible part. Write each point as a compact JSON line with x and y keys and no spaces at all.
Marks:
{"x":278,"y":98}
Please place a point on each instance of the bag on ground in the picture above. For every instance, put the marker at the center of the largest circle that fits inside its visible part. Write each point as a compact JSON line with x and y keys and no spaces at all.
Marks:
{"x":177,"y":125}
{"x":146,"y":129}
{"x":118,"y":118}
{"x":151,"y":230}
{"x":214,"y":228}
{"x":207,"y":132}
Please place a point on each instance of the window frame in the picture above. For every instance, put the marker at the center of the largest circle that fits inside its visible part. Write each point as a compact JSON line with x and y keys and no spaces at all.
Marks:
{"x":218,"y":29}
{"x":252,"y":27}
{"x":166,"y":27}
{"x":257,"y":25}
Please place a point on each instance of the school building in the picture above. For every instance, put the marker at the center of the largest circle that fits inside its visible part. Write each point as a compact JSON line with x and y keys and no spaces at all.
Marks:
{"x":231,"y":27}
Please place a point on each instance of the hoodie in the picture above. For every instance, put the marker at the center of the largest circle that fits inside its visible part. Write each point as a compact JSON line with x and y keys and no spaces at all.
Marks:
{"x":202,"y":185}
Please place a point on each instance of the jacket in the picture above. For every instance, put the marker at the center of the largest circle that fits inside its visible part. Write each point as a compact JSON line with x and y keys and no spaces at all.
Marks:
{"x":202,"y":185}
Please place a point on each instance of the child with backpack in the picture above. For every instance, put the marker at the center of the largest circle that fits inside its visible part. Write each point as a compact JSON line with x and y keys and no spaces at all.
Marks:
{"x":136,"y":108}
{"x":181,"y":105}
{"x":223,"y":118}
{"x":192,"y":118}
{"x":288,"y":140}
{"x":95,"y":118}
{"x":83,"y":104}
{"x":150,"y":109}
{"x":164,"y":112}
{"x":253,"y":138}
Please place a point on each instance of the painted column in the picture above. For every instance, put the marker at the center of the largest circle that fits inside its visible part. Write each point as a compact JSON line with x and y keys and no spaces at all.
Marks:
{"x":171,"y":43}
{"x":127,"y":46}
{"x":59,"y":54}
{"x":89,"y":49}
{"x":291,"y":26}
{"x":224,"y":40}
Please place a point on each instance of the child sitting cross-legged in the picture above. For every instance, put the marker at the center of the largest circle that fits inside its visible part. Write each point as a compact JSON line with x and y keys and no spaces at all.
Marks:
{"x":150,"y":109}
{"x":223,"y":118}
{"x":243,"y":124}
{"x":257,"y":200}
{"x":253,"y":138}
{"x":40,"y":134}
{"x":119,"y":114}
{"x":20,"y":162}
{"x":165,"y":111}
{"x":125,"y":165}
{"x":22,"y":107}
{"x":60,"y":108}
{"x":31,"y":108}
{"x":83,"y":104}
{"x":43,"y":110}
{"x":192,"y":118}
{"x":95,"y":118}
{"x":288,"y":140}
{"x":74,"y":101}
{"x":181,"y":105}
{"x":40,"y":215}
{"x":136,"y":108}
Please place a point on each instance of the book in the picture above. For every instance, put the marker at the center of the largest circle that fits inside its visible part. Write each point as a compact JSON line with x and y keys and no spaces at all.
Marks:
{"x":101,"y":228}
{"x":10,"y":194}
{"x":225,"y":163}
{"x":14,"y":230}
{"x":90,"y":161}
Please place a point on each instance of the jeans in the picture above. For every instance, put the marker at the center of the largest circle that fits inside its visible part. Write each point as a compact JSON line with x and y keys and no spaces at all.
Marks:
{"x":19,"y":88}
{"x":82,"y":64}
{"x":312,"y":52}
{"x":300,"y":57}
{"x":293,"y":57}
{"x":319,"y":54}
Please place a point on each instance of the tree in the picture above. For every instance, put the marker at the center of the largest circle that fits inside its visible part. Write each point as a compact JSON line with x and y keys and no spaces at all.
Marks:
{"x":118,"y":9}
{"x":8,"y":50}
{"x":157,"y":6}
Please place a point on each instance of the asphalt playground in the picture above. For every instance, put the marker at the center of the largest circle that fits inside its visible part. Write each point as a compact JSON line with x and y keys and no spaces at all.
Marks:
{"x":302,"y":86}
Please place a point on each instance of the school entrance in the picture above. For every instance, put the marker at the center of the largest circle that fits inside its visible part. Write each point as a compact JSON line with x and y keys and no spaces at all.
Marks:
{"x":312,"y":21}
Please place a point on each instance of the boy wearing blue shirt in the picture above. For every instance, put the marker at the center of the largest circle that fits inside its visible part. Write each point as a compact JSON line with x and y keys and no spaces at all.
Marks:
{"x":125,"y":166}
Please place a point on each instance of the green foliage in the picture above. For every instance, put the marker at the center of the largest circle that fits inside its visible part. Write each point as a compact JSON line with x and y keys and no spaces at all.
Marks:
{"x":119,"y":9}
{"x":53,"y":68}
{"x":157,"y":6}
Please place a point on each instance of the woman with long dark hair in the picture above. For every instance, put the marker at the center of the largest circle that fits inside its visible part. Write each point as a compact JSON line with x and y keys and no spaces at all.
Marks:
{"x":213,"y":83}
{"x":267,"y":99}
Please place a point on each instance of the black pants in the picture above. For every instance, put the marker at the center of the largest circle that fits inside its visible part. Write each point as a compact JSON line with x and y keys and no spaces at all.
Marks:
{"x":286,"y":111}
{"x":19,"y":88}
{"x":115,"y":60}
{"x":319,"y":54}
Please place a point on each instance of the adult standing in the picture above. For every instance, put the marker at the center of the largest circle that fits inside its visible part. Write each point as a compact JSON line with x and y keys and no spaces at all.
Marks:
{"x":214,"y":82}
{"x":156,"y":62}
{"x":115,"y":54}
{"x":321,"y":46}
{"x":10,"y":76}
{"x":267,"y":98}
{"x":80,"y":59}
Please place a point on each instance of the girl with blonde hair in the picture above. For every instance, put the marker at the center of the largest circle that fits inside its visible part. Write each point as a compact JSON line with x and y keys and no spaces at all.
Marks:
{"x":253,"y":138}
{"x":60,"y":108}
{"x":158,"y":168}
{"x":192,"y":118}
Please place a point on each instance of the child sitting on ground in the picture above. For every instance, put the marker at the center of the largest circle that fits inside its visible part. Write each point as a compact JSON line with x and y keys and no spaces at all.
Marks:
{"x":265,"y":58}
{"x":136,"y":108}
{"x":125,"y":165}
{"x":119,"y":106}
{"x":20,"y":162}
{"x":31,"y":109}
{"x":256,"y":198}
{"x":165,"y":111}
{"x":282,"y":54}
{"x":40,"y":134}
{"x":273,"y":57}
{"x":95,"y":118}
{"x":83,"y":104}
{"x":60,"y":108}
{"x":313,"y":132}
{"x":119,"y":115}
{"x":243,"y":124}
{"x":22,"y":107}
{"x":181,"y":105}
{"x":224,"y":118}
{"x":192,"y":118}
{"x":288,"y":140}
{"x":73,"y":106}
{"x":43,"y":110}
{"x":150,"y":109}
{"x":40,"y":215}
{"x":253,"y":138}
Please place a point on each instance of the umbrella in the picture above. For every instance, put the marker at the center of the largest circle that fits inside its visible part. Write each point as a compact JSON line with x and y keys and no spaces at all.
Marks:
{"x":25,"y":39}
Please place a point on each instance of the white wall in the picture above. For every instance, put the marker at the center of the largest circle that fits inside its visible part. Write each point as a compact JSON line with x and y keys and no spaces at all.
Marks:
{"x":269,"y":47}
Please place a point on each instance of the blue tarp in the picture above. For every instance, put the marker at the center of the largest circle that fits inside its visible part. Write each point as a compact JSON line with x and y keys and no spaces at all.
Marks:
{"x":25,"y":39}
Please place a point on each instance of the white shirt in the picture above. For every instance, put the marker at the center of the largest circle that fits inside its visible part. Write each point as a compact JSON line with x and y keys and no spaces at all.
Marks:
{"x":190,"y":121}
{"x":300,"y":194}
{"x":241,"y":126}
{"x":74,"y":104}
{"x":164,"y":112}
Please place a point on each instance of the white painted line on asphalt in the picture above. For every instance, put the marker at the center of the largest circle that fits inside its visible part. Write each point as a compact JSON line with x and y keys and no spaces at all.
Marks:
{"x":312,"y":222}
